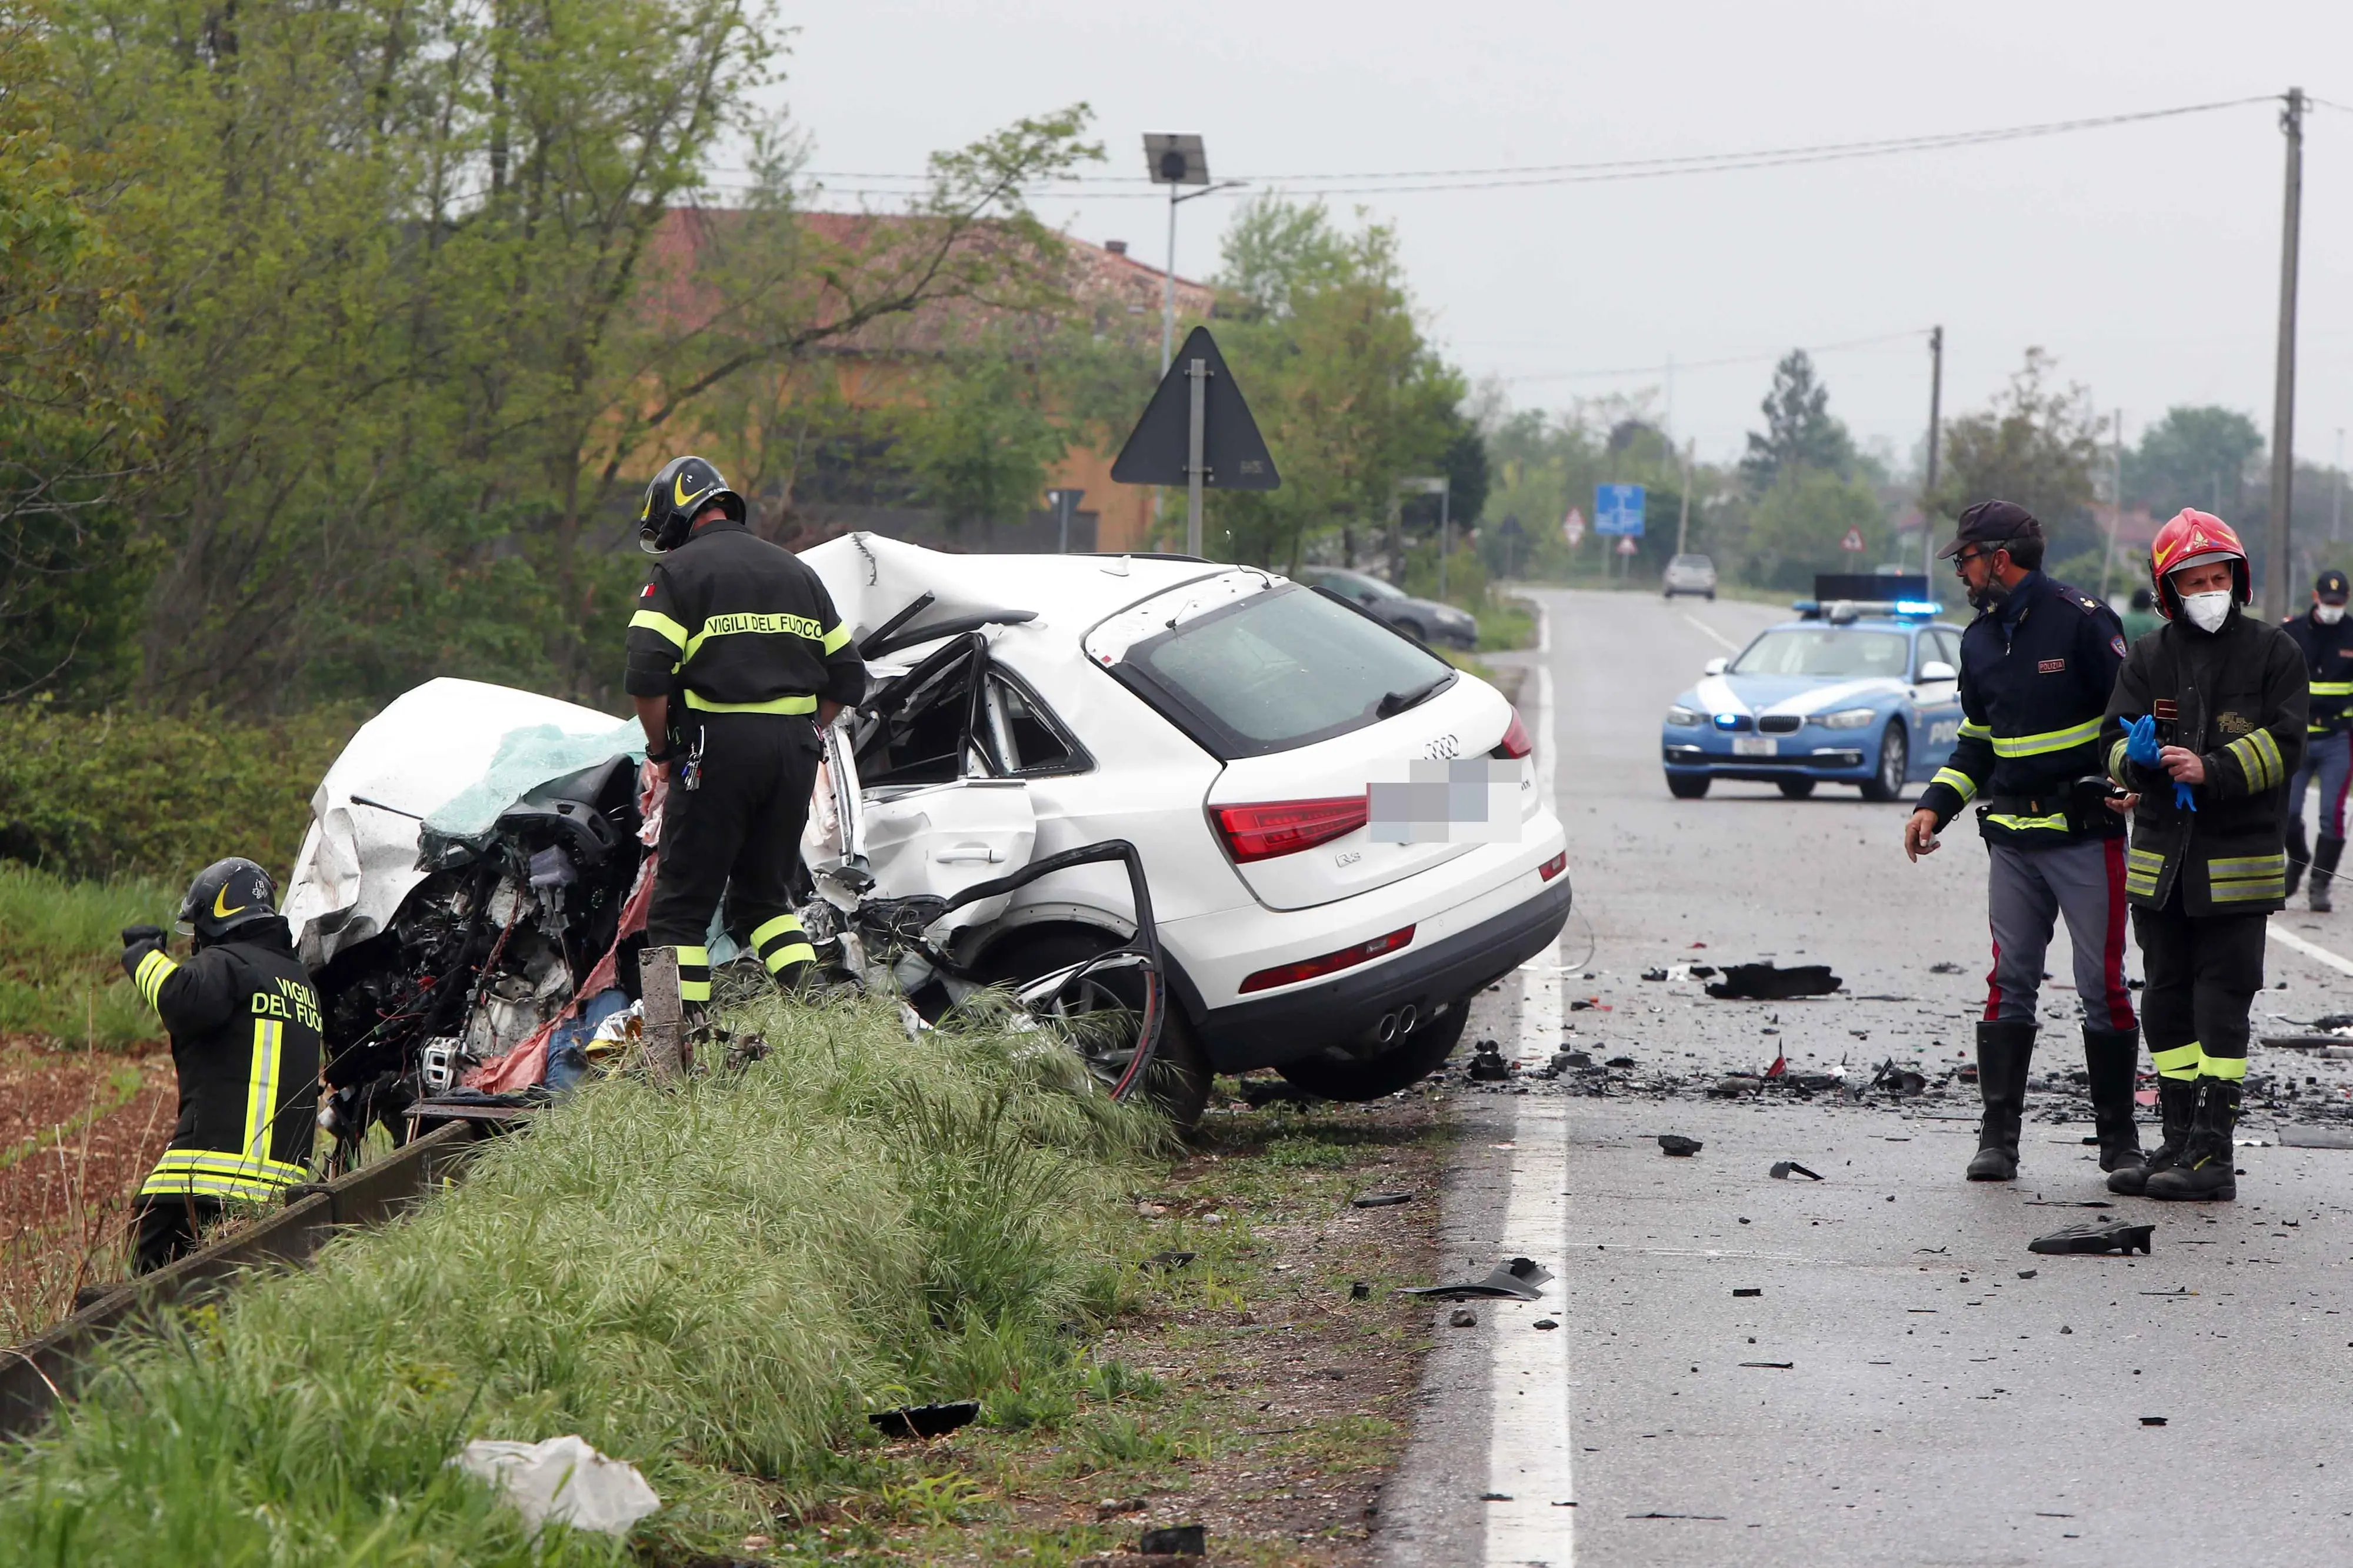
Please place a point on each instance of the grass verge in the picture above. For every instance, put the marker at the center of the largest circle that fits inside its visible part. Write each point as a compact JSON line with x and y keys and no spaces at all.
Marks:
{"x":59,"y":980}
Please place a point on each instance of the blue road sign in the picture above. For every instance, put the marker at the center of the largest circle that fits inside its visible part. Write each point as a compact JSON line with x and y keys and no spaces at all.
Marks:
{"x":1618,"y":509}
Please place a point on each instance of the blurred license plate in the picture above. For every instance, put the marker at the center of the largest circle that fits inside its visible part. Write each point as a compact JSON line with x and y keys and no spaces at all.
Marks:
{"x":1469,"y":800}
{"x":1755,"y":746}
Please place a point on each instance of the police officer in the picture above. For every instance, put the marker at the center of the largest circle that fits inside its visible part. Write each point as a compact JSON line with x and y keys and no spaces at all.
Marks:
{"x":734,"y":648}
{"x":2220,"y":700}
{"x":2037,"y":665}
{"x":244,"y":1021}
{"x":2325,"y":639}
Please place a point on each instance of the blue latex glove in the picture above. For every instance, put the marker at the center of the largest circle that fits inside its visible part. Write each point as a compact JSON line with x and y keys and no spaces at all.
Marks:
{"x":2140,"y":745}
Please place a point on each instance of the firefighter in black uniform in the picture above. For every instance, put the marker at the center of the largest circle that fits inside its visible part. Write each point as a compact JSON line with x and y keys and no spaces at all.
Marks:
{"x":734,"y":649}
{"x":2325,"y":639}
{"x":2218,"y":697}
{"x":2037,"y":665}
{"x":244,"y":1021}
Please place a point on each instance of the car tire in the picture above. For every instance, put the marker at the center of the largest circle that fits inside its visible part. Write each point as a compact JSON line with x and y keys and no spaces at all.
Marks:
{"x":1687,"y":786}
{"x":1336,"y":1076}
{"x":1895,"y":765}
{"x":1796,"y":789}
{"x":1711,"y":595}
{"x":1668,"y":595}
{"x":1178,"y":1082}
{"x":1415,"y":630}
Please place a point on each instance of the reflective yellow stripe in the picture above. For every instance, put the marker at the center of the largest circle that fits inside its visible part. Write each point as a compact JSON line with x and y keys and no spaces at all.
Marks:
{"x":694,"y":974}
{"x":1973,"y":730}
{"x":212,"y":1162}
{"x":261,"y":1087}
{"x":2177,"y":1061}
{"x":695,"y":990}
{"x":2140,"y":887}
{"x":2117,"y":764}
{"x":196,"y":1185}
{"x":2275,"y":766}
{"x":2023,"y":824}
{"x":2248,"y":866}
{"x":2258,"y":758}
{"x":781,"y":924}
{"x":655,"y":621}
{"x":2144,"y":860}
{"x":792,"y":952}
{"x":2332,"y":688}
{"x":2229,"y":1070}
{"x":837,"y":638}
{"x":154,"y":970}
{"x":752,"y":621}
{"x":2049,"y":741}
{"x":2247,"y":892}
{"x":774,"y":705}
{"x":1956,"y":781}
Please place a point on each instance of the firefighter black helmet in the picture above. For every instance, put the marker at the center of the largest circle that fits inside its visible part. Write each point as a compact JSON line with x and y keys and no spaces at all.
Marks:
{"x":226,"y":894}
{"x":683,"y":490}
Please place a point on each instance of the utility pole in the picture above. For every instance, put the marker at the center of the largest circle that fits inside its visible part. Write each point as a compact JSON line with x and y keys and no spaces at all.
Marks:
{"x":1935,"y":424}
{"x":2337,"y":494}
{"x":2116,"y":500}
{"x":2276,"y":566}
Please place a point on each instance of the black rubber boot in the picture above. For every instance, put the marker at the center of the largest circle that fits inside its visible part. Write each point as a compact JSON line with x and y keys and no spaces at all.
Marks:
{"x":2004,"y":1051}
{"x":2204,"y":1174}
{"x":2177,"y":1104}
{"x":2297,"y":854}
{"x":2324,"y":872}
{"x":2109,"y":1057}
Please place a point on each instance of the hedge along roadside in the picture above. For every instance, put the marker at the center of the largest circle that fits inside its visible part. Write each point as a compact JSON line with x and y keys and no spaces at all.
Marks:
{"x":713,"y":1283}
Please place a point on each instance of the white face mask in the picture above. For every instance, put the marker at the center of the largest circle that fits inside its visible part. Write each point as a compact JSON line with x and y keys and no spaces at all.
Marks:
{"x":2328,"y":615}
{"x":2207,"y":612}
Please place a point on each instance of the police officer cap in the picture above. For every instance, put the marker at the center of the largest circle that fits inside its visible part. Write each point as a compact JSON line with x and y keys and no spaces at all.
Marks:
{"x":2331,"y":586}
{"x":1992,"y":524}
{"x":226,"y":894}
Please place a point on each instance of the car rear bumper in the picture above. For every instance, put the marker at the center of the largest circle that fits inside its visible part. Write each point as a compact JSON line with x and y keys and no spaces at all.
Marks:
{"x":1454,"y":965}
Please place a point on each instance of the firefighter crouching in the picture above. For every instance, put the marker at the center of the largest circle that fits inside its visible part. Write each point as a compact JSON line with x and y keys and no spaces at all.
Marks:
{"x":2325,"y":639}
{"x":2037,"y":665}
{"x":244,"y":1021}
{"x":2206,"y":727}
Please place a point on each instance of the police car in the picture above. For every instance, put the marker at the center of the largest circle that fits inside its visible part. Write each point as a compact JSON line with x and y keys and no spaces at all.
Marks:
{"x":1862,"y":688}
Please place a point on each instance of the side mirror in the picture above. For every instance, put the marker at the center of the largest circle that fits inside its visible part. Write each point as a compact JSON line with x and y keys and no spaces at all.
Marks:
{"x":1714,"y":666}
{"x":1937,"y":670}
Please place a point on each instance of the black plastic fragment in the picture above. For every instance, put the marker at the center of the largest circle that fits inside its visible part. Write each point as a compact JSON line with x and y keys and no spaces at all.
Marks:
{"x":1784,"y":1169}
{"x":2096,"y":1236}
{"x":1359,"y":1290}
{"x":1169,"y":1260}
{"x":1379,"y":1200}
{"x":1488,"y":1065}
{"x":2152,"y":1420}
{"x":1516,"y":1280}
{"x":1769,"y":983}
{"x":1678,"y":1145}
{"x":1945,"y":967}
{"x":1748,"y":1290}
{"x":1174,"y":1540}
{"x":925,"y":1420}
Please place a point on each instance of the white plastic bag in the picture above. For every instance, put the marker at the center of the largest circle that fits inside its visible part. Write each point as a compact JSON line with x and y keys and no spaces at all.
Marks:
{"x":564,"y":1479}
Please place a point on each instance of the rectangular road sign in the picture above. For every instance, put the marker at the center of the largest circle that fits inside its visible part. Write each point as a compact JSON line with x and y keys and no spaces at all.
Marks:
{"x":1618,"y":509}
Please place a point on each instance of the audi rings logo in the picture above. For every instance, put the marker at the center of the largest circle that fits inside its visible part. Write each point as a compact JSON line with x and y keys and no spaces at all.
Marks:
{"x":1445,"y":747}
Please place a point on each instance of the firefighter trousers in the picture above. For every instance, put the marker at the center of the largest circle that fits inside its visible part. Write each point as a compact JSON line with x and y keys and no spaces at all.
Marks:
{"x":2203,"y":974}
{"x":2026,"y":893}
{"x":736,"y":830}
{"x":2328,"y":758}
{"x":169,"y":1229}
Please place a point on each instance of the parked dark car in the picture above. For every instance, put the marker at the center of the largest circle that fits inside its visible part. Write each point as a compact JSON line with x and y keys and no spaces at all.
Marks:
{"x":1425,"y":620}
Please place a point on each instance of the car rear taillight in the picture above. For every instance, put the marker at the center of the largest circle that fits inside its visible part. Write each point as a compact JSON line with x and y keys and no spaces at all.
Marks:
{"x":1287,"y":827}
{"x":1310,"y":968}
{"x":1514,"y":743}
{"x":1554,"y":867}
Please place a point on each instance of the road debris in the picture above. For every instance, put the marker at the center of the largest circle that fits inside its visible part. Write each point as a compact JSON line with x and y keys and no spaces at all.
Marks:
{"x":1946,"y":966}
{"x":1174,"y":1540}
{"x":1463,"y":1318}
{"x":1784,"y":1169}
{"x":1733,"y":1085}
{"x":1748,"y":1290}
{"x":2152,"y":1420}
{"x":1771,"y":1366}
{"x":562,"y":1479}
{"x":1487,"y":1065}
{"x":925,"y":1420}
{"x":2096,"y":1236}
{"x":1547,"y":1322}
{"x":1681,"y":1147}
{"x":2028,"y":1273}
{"x":1360,"y":1291}
{"x":1379,"y":1200}
{"x":1516,"y":1280}
{"x":1899,"y":1081}
{"x":1769,"y":983}
{"x":1168,"y":1260}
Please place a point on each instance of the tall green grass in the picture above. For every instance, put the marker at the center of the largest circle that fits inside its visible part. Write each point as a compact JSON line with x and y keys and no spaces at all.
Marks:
{"x":59,"y":973}
{"x":713,"y":1283}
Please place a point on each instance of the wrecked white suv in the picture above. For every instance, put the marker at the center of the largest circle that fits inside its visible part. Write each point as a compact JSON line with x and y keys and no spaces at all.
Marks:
{"x":1232,"y":726}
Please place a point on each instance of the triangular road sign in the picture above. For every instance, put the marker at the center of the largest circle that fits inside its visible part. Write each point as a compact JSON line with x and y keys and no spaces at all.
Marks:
{"x":1233,"y":454}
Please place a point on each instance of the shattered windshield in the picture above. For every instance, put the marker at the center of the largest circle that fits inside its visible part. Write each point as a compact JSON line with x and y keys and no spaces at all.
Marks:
{"x":1824,"y":652}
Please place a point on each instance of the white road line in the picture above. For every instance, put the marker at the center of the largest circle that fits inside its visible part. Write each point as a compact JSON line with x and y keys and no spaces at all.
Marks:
{"x":1724,"y":642}
{"x":2313,"y":949}
{"x":1528,"y":1521}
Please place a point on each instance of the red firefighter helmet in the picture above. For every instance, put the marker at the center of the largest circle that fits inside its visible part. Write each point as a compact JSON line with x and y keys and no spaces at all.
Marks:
{"x":2192,"y":538}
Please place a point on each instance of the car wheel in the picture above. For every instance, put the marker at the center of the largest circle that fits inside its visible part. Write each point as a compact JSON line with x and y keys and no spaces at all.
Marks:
{"x":1178,"y":1082}
{"x":1895,"y":765}
{"x":1337,"y":1076}
{"x":1415,"y":630}
{"x":1687,"y":786}
{"x":1670,"y":594}
{"x":1796,"y":789}
{"x":1711,"y":595}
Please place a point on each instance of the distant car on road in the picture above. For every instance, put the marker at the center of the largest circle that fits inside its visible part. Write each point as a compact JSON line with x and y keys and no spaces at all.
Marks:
{"x":1689,"y":575}
{"x":1424,"y":620}
{"x":1862,"y":692}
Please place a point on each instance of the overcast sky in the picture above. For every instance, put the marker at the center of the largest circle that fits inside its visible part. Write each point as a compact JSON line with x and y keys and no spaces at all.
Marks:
{"x":2145,"y":257}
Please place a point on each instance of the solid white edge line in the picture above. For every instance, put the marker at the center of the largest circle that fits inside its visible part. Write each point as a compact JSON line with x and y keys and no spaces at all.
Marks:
{"x":2313,"y":949}
{"x":1722,"y":641}
{"x":1528,"y":1448}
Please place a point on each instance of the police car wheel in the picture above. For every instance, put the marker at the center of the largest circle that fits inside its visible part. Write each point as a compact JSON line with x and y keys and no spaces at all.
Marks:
{"x":1796,"y":789}
{"x":1687,"y":786}
{"x":1894,"y":767}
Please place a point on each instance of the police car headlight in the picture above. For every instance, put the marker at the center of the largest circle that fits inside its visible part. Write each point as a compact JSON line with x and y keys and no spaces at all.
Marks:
{"x":1847,"y":718}
{"x":1682,"y":718}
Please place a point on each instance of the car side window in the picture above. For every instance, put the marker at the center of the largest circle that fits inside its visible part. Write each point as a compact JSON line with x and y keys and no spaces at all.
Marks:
{"x":1949,"y":642}
{"x":924,"y":738}
{"x":1024,"y":739}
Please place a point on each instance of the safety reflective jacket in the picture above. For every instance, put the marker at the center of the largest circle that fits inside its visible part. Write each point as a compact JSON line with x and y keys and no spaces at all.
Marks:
{"x":2036,"y":672}
{"x":2236,"y":696}
{"x":2328,"y":661}
{"x":244,"y":1020}
{"x":740,"y":626}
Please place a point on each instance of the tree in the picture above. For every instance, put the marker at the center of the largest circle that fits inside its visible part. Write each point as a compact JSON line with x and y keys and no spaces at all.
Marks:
{"x":981,"y":447}
{"x":2038,"y":447}
{"x":1797,"y":528}
{"x":1799,"y":432}
{"x":2193,"y":457}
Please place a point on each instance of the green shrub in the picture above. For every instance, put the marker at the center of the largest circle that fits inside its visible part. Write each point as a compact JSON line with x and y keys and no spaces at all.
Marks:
{"x":58,"y":941}
{"x":127,"y":792}
{"x":715,"y":1284}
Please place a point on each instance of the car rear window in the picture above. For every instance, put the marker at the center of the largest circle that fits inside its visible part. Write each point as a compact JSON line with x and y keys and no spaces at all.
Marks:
{"x":1282,"y":668}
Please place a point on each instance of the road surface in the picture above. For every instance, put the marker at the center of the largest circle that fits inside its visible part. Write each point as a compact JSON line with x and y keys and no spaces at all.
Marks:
{"x":1871,"y":1369}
